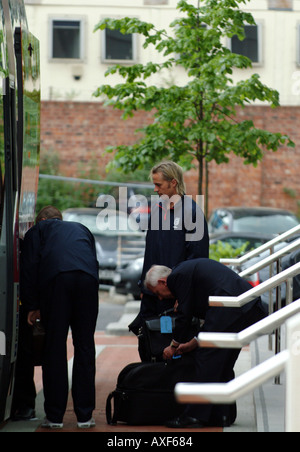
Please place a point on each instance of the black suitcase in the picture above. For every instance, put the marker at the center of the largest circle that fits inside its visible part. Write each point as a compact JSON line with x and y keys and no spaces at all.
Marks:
{"x":145,"y":392}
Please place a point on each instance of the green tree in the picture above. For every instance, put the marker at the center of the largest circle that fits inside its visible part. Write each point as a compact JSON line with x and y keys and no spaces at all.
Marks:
{"x":61,"y":194}
{"x":197,"y":120}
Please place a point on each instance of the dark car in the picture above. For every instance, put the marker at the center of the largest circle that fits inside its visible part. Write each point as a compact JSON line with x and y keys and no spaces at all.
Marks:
{"x":260,"y":220}
{"x":127,"y":277}
{"x":117,"y":241}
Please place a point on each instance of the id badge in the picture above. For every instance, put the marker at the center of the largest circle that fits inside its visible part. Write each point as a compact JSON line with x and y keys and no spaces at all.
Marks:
{"x":166,"y":325}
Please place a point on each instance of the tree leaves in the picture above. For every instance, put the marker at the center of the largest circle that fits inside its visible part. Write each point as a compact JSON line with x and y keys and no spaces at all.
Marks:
{"x":196,"y":120}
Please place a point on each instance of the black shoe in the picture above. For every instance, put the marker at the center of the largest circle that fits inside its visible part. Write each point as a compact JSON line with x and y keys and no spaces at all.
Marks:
{"x":185,"y":422}
{"x":24,"y":414}
{"x":223,"y":415}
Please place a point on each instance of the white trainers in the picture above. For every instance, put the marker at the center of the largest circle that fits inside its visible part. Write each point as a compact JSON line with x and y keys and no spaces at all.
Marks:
{"x":53,"y":425}
{"x":88,"y":424}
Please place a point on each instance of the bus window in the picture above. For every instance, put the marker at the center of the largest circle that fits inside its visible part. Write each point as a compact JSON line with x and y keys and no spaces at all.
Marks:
{"x":2,"y":162}
{"x":3,"y":74}
{"x":1,"y":197}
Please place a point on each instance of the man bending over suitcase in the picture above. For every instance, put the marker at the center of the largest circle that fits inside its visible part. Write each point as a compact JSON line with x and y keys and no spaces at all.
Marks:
{"x":191,"y":283}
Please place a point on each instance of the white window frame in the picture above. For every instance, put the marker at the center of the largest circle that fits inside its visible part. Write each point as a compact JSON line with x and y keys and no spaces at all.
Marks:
{"x":298,"y":45}
{"x":82,"y":22}
{"x":260,"y":61}
{"x":119,"y":61}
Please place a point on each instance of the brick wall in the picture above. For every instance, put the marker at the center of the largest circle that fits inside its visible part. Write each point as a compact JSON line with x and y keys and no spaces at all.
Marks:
{"x":80,"y":132}
{"x":266,"y":185}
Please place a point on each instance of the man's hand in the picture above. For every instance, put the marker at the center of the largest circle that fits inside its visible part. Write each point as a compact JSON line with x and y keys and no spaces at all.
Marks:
{"x":169,"y":352}
{"x":33,"y":316}
{"x":187,"y":347}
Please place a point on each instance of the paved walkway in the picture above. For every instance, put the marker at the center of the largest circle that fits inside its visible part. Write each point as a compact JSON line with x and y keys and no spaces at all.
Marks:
{"x":113,"y":354}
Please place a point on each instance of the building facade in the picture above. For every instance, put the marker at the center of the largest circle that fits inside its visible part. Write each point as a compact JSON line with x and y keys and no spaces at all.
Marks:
{"x":78,"y":127}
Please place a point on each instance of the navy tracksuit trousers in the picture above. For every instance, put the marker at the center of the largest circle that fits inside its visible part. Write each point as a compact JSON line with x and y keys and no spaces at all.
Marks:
{"x":70,"y":301}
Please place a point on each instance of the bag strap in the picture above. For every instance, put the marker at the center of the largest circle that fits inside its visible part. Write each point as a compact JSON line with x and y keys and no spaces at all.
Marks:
{"x":166,"y":312}
{"x":109,"y":418}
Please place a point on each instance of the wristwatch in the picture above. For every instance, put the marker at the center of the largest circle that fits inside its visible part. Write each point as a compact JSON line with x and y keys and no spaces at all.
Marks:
{"x":174,"y":344}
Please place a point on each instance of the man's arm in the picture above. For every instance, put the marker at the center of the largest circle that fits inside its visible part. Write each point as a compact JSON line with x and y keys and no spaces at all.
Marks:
{"x":197,"y":239}
{"x":33,"y":316}
{"x":180,"y":285}
{"x":176,"y":349}
{"x":29,"y":270}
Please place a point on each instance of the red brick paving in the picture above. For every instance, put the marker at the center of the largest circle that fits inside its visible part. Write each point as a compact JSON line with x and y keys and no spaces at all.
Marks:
{"x":118,"y":352}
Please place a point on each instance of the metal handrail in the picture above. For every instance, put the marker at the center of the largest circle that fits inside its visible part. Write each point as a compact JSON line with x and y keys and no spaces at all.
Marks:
{"x":271,"y":259}
{"x":268,"y":262}
{"x":239,"y":340}
{"x":220,"y":393}
{"x":223,"y":393}
{"x":251,"y":294}
{"x":266,"y":246}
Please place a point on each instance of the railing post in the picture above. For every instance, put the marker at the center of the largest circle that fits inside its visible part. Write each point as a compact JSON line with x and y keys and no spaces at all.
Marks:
{"x":278,"y":307}
{"x":271,"y":303}
{"x":293,"y":375}
{"x":289,"y":291}
{"x":119,"y":251}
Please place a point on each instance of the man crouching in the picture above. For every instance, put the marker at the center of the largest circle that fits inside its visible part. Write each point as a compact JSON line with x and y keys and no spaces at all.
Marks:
{"x":191,"y":283}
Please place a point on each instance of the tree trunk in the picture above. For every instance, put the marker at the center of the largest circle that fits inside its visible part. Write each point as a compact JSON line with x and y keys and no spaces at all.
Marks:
{"x":200,"y":176}
{"x":206,"y":188}
{"x":201,"y":189}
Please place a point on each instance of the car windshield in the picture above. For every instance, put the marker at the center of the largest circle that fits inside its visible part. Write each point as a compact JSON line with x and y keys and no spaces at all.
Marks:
{"x":272,"y":224}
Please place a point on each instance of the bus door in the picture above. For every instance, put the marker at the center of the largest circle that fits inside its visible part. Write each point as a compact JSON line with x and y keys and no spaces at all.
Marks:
{"x":9,"y":214}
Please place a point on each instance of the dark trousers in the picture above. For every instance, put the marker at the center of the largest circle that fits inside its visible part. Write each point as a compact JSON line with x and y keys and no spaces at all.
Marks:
{"x":71,"y":300}
{"x":215,"y":365}
{"x":24,"y":387}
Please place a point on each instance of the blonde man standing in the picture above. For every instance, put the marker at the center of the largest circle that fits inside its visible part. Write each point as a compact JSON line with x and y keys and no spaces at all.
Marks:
{"x":177,"y":232}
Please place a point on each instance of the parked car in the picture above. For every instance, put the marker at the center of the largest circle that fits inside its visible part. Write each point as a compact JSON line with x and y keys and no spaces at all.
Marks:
{"x":238,"y":239}
{"x":128,"y":275}
{"x":117,"y":241}
{"x":261,"y":220}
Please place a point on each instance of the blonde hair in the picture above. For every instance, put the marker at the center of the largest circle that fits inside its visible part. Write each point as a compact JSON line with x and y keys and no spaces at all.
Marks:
{"x":170,"y":171}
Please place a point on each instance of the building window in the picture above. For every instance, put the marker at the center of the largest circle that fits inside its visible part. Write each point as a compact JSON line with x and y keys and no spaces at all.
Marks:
{"x":156,"y":2}
{"x":250,"y":46}
{"x":118,"y":47}
{"x":298,"y":44}
{"x":280,"y":4}
{"x":67,"y":39}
